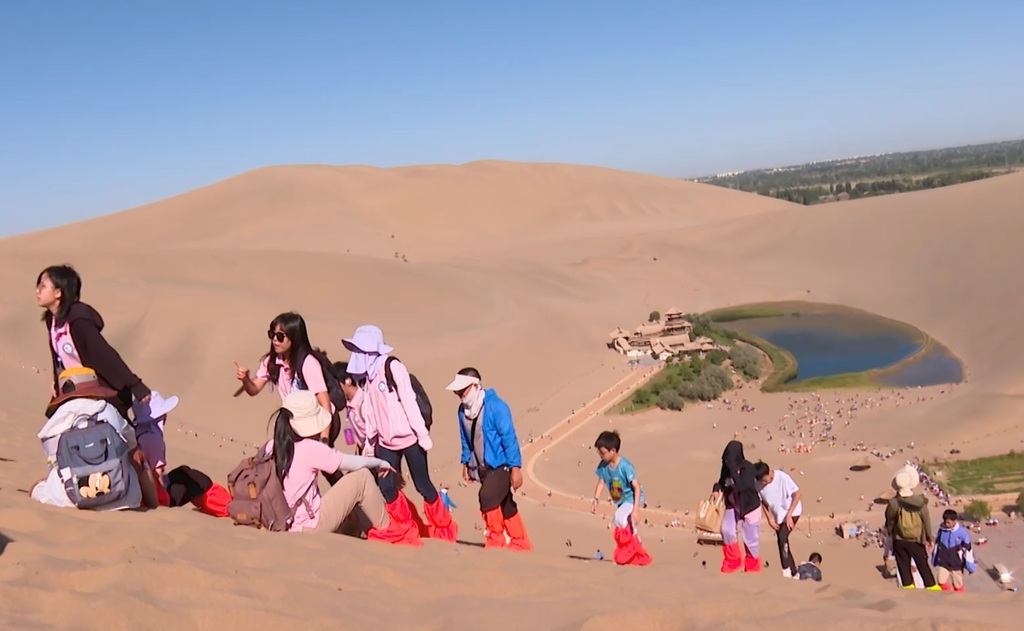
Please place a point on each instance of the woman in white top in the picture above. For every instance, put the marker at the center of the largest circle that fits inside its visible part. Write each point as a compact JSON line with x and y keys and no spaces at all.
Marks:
{"x":780,"y":500}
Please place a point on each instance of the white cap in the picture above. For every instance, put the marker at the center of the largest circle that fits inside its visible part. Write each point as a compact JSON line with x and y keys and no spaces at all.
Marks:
{"x":461,"y":382}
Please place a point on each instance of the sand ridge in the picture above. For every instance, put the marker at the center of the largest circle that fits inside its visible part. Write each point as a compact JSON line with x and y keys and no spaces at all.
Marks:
{"x":519,"y":270}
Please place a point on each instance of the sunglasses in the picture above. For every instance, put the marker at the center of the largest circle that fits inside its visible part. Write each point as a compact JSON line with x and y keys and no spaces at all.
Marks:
{"x":278,"y":336}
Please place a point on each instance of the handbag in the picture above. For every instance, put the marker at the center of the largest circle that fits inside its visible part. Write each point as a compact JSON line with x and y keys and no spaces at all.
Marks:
{"x":710,"y":514}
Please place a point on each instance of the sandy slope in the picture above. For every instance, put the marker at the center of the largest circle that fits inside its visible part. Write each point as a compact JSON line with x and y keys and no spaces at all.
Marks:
{"x":520,"y":270}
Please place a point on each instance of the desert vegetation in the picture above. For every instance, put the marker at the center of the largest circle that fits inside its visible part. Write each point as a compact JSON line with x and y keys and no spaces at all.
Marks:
{"x":870,"y":176}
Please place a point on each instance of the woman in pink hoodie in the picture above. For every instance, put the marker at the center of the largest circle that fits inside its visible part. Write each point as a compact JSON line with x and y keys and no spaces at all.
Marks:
{"x":395,"y":429}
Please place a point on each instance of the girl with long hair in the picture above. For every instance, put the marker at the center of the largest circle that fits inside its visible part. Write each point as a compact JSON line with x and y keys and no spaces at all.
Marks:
{"x":290,"y":365}
{"x":299,"y":457}
{"x":76,"y":338}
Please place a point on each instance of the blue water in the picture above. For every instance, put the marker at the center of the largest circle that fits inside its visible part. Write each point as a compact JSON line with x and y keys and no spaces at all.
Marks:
{"x":938,"y":366}
{"x":833,"y":344}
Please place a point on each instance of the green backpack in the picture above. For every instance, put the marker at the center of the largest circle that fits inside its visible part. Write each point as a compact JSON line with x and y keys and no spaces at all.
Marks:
{"x":909,"y":525}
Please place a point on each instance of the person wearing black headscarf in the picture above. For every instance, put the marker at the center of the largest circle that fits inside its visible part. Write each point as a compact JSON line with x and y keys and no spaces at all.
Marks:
{"x":739,"y":486}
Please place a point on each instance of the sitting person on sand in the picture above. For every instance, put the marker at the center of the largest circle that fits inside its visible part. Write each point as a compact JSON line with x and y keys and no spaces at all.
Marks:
{"x":299,"y":457}
{"x":76,"y":338}
{"x":83,"y":403}
{"x":810,"y":571}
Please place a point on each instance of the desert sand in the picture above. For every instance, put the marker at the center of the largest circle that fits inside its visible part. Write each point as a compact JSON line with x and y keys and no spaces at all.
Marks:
{"x":519,"y":270}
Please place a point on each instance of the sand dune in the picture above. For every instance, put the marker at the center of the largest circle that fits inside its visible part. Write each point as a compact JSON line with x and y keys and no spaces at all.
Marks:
{"x":519,"y":269}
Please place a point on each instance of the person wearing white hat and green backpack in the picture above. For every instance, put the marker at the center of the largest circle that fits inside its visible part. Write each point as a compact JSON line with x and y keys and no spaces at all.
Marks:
{"x":910,"y":528}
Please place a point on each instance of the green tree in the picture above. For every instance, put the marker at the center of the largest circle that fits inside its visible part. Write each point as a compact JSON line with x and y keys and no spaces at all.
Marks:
{"x":746,"y":360}
{"x":654,"y":317}
{"x":1020,"y":502}
{"x":670,"y":400}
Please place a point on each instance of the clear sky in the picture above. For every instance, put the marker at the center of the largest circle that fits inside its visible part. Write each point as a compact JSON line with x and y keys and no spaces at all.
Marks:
{"x":108,"y":104}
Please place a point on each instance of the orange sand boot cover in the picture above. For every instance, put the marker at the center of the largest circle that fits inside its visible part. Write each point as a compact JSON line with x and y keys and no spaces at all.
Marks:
{"x":421,"y":525}
{"x":732,"y":557}
{"x":628,"y":549}
{"x":440,"y":523}
{"x":401,"y":529}
{"x":515,"y":529}
{"x":751,"y":563}
{"x":495,"y":524}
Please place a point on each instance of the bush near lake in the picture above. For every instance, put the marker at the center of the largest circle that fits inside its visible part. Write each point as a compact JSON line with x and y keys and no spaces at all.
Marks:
{"x":746,"y":360}
{"x":718,"y":357}
{"x":670,"y":400}
{"x":1020,"y":502}
{"x":695,"y":379}
{"x":978,"y":510}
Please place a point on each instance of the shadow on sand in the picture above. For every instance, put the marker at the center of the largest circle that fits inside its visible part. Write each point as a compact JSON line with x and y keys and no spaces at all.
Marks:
{"x":3,"y":542}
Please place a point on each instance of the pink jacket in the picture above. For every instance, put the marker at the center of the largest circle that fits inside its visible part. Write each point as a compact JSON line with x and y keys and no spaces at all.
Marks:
{"x":393,"y":419}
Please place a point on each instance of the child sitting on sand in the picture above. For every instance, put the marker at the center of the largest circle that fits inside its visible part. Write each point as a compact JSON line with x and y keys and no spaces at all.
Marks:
{"x":810,"y":571}
{"x":952,"y":553}
{"x":618,"y":475}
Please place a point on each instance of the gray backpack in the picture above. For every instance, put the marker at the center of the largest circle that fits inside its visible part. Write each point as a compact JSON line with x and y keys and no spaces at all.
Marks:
{"x":93,"y":463}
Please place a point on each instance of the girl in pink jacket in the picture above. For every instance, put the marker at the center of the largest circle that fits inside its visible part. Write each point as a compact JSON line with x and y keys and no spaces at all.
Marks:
{"x":395,"y":429}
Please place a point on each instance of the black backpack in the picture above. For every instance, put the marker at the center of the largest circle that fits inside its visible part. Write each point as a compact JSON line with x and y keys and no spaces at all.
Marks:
{"x":422,"y":400}
{"x":333,"y":381}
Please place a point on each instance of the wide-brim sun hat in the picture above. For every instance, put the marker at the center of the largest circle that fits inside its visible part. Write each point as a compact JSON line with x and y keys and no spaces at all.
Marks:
{"x":905,"y":481}
{"x":78,"y":383}
{"x":308,"y":417}
{"x":367,"y":339}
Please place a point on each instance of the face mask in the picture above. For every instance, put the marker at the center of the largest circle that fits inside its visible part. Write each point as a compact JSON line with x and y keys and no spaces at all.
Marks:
{"x":473,"y":401}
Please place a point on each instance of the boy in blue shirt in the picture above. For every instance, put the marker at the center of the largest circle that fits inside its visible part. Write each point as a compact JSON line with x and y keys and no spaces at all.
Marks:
{"x":618,"y":475}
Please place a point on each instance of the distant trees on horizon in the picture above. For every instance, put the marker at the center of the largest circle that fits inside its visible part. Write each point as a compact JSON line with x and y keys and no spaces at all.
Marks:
{"x":854,"y":178}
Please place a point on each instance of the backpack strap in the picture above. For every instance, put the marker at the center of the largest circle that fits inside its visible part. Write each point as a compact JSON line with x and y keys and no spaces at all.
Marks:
{"x":304,"y":502}
{"x":389,"y":376}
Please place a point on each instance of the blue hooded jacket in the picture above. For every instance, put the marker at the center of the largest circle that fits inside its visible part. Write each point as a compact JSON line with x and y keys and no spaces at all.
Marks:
{"x":953,"y":549}
{"x":501,"y":447}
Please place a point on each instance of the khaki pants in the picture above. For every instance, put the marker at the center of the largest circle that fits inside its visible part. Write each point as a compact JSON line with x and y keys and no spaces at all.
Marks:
{"x":944,"y":576}
{"x":358,"y":488}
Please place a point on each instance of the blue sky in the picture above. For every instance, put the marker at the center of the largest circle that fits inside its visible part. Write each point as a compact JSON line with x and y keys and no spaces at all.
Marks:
{"x":110,"y":104}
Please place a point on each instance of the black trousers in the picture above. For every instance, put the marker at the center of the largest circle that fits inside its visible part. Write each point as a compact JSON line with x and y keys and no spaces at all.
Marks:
{"x":416,"y":458}
{"x":496,"y":492}
{"x":904,"y":551}
{"x":785,"y":554}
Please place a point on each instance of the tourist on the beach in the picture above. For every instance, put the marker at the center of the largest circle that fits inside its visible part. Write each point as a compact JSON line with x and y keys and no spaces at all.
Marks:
{"x":810,"y":571}
{"x":396,"y":429}
{"x":491,"y":456}
{"x":76,"y":338}
{"x":290,"y":348}
{"x":780,"y":497}
{"x":742,"y":511}
{"x":618,"y":475}
{"x":909,"y":526}
{"x":952,"y":553}
{"x":84,"y":402}
{"x":299,"y":456}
